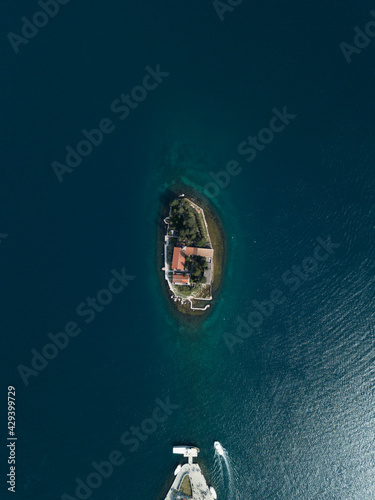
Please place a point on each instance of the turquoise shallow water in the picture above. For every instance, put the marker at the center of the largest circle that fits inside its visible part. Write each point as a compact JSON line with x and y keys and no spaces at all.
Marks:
{"x":293,"y":403}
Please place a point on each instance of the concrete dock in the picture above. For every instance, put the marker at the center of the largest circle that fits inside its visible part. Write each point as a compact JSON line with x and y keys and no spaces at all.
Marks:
{"x":199,"y":487}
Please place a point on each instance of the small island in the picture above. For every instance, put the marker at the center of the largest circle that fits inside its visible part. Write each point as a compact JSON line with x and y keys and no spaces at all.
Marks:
{"x":188,"y":255}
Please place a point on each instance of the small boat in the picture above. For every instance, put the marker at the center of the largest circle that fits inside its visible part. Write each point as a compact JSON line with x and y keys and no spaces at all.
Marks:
{"x":219,"y":448}
{"x":178,"y":468}
{"x":213,"y":492}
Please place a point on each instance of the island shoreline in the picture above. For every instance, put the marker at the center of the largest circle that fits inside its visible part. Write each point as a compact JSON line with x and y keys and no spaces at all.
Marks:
{"x":218,"y":240}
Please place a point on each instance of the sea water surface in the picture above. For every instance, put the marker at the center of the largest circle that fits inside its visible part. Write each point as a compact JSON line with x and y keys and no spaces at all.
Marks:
{"x":293,"y":403}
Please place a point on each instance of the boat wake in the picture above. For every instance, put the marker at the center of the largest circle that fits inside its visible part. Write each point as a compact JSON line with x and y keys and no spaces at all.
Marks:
{"x":218,"y":468}
{"x":222,"y":458}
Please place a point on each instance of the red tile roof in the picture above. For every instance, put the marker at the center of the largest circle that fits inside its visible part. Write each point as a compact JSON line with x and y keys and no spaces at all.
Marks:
{"x":178,"y":261}
{"x":179,"y":279}
{"x":203,"y":252}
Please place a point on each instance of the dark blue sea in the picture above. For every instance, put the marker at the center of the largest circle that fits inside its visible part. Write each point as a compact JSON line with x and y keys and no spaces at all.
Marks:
{"x":287,"y":388}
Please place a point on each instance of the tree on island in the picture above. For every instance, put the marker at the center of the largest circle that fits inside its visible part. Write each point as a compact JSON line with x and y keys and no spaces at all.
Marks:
{"x":183,"y":219}
{"x":199,"y":265}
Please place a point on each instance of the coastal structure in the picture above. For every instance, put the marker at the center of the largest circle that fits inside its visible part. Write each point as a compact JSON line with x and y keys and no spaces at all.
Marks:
{"x":188,"y":254}
{"x":189,"y":482}
{"x":180,"y":253}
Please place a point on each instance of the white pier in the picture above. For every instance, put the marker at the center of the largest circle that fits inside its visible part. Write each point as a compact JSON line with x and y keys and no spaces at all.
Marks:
{"x":189,"y":476}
